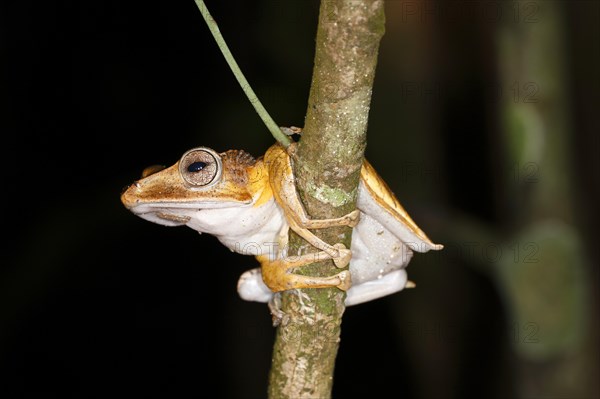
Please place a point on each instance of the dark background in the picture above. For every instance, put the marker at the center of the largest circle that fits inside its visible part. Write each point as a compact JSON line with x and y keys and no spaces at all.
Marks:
{"x":94,"y":300}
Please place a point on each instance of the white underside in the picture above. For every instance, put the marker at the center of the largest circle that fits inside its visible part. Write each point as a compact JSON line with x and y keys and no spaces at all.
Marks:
{"x":252,"y":288}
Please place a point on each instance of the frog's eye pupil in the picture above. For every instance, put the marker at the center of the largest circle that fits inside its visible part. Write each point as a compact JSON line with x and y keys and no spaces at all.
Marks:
{"x":196,"y":166}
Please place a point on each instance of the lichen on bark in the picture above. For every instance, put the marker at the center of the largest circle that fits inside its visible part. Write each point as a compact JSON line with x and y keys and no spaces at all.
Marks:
{"x":327,"y":168}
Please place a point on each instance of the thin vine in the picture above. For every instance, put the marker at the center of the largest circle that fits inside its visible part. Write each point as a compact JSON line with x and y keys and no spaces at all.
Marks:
{"x":282,"y":138}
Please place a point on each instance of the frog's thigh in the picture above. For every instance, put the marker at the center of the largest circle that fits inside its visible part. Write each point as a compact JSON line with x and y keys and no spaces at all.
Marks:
{"x":388,"y":284}
{"x":251,"y":287}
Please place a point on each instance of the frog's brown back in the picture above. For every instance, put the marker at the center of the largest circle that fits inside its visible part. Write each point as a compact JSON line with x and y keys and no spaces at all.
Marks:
{"x":385,"y":198}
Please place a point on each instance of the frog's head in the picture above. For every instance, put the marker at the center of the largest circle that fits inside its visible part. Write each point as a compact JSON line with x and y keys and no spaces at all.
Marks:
{"x":201,"y":180}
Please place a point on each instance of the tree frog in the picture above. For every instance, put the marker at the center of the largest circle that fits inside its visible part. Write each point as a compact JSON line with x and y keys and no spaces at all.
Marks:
{"x":250,"y":204}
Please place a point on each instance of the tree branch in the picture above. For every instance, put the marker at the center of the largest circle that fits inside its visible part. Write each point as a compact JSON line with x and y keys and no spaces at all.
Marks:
{"x":327,"y":169}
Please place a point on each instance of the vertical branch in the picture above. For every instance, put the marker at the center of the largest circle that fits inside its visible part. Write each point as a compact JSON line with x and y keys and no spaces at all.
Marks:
{"x":327,"y":169}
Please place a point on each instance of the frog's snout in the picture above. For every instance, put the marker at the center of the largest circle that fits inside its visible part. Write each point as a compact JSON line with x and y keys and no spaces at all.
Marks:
{"x":128,"y":198}
{"x":130,"y":194}
{"x":124,"y":189}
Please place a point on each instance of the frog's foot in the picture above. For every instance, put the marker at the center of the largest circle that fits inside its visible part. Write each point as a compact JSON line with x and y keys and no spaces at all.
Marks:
{"x":290,"y":131}
{"x":277,"y":315}
{"x":388,"y":284}
{"x":300,"y":224}
{"x":338,"y":252}
{"x":343,"y":256}
{"x":279,"y":274}
{"x":351,"y":219}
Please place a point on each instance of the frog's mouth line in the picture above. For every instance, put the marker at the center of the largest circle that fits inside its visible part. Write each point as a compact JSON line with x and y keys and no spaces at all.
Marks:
{"x":143,"y":207}
{"x":177,"y":214}
{"x":173,"y":218}
{"x":164,"y":218}
{"x":162,"y":215}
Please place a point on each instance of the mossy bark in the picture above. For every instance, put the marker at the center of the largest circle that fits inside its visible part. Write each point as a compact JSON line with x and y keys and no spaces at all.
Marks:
{"x":327,"y":168}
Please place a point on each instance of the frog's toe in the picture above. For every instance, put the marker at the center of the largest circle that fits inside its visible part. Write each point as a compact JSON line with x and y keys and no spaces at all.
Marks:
{"x":346,"y":280}
{"x":344,"y":256}
{"x":277,"y":315}
{"x":353,"y":218}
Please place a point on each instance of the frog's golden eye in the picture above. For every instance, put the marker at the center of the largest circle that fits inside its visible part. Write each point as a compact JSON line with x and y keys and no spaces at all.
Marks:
{"x":200,"y":167}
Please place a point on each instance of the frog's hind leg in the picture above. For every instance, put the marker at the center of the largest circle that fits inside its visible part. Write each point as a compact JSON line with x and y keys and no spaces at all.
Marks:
{"x":279,"y":274}
{"x":388,"y":284}
{"x":251,"y":287}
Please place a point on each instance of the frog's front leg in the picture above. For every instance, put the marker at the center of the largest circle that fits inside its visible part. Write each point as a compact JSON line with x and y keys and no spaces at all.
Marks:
{"x":287,"y":197}
{"x":338,"y":252}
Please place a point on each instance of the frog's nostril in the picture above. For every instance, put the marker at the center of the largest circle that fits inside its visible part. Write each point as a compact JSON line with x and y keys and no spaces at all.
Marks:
{"x":150,"y":170}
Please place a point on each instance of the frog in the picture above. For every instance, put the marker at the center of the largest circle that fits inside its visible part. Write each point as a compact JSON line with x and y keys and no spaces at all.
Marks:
{"x":250,"y":204}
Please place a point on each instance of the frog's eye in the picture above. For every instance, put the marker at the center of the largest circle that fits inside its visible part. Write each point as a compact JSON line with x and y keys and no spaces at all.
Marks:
{"x":200,"y":167}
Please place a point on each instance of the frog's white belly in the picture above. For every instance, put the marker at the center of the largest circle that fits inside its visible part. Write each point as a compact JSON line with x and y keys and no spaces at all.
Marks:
{"x":375,"y":251}
{"x":247,"y":229}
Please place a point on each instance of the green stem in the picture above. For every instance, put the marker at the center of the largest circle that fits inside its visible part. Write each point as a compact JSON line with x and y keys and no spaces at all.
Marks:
{"x":237,"y":72}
